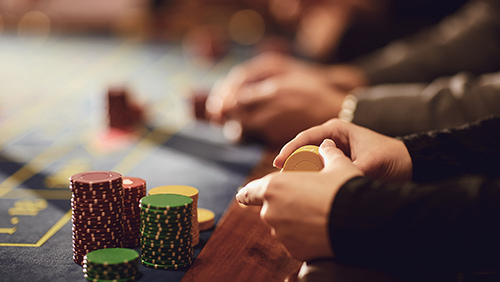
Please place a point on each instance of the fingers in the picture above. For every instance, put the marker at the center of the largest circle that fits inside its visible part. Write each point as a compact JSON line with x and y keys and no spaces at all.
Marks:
{"x":263,"y":66}
{"x":331,"y":155}
{"x":256,"y":93}
{"x":226,"y":93}
{"x":333,"y":129}
{"x":252,"y":194}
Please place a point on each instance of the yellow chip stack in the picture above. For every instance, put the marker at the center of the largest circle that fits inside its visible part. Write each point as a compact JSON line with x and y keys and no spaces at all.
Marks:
{"x":186,"y":191}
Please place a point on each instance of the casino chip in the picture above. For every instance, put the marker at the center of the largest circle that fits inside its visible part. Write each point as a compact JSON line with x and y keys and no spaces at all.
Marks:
{"x":113,"y":264}
{"x":186,"y":191}
{"x":123,"y":113}
{"x":205,"y":219}
{"x":305,"y":158}
{"x":134,"y":189}
{"x":166,"y":225}
{"x":97,"y":212}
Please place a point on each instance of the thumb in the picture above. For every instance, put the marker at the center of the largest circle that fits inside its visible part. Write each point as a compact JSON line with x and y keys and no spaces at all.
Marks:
{"x":332,"y":156}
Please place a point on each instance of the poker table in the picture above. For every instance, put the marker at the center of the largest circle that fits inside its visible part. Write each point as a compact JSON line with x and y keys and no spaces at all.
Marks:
{"x":53,"y":124}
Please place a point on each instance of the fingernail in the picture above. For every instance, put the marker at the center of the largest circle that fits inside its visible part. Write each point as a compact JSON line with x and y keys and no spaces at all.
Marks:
{"x":238,"y":196}
{"x":328,"y":143}
{"x":274,"y":163}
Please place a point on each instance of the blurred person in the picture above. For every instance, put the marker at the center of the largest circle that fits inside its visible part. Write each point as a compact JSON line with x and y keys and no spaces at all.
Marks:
{"x":427,"y":200}
{"x":267,"y":96}
{"x":338,"y":30}
{"x":319,"y":26}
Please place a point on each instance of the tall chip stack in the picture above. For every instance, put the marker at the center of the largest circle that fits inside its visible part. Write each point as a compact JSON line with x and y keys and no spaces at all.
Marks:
{"x":166,"y":239}
{"x":185,"y":190}
{"x":97,"y":212}
{"x":134,"y":188}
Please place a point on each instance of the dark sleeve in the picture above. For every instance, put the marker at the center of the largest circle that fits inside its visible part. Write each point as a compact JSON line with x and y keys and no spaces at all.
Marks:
{"x":466,"y":41}
{"x":400,"y":109}
{"x":448,"y":225}
{"x":472,"y":148}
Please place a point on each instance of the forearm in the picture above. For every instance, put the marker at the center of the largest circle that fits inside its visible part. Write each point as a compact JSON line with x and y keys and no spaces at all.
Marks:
{"x":402,"y":109}
{"x":472,"y":148}
{"x":446,"y":225}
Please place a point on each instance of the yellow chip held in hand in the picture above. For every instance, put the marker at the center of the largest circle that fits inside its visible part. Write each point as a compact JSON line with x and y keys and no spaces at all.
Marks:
{"x":305,"y":158}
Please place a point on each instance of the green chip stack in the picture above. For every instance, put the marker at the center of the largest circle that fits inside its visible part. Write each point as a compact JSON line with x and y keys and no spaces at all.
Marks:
{"x":166,"y":223}
{"x":112,"y":264}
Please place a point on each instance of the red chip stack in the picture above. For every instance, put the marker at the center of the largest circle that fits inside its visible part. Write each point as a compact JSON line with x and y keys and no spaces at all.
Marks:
{"x":123,"y":113}
{"x":97,"y":212}
{"x":134,"y":189}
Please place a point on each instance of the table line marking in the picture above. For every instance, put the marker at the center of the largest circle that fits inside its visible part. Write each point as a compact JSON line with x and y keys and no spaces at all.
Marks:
{"x":58,"y":225}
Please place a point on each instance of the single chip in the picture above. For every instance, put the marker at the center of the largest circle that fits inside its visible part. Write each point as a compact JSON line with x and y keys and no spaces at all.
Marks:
{"x":92,"y":279}
{"x":112,"y":256}
{"x":164,"y":239}
{"x":170,"y":261}
{"x":166,"y":227}
{"x":175,"y":189}
{"x":153,"y":245}
{"x":165,"y":202}
{"x":305,"y":158}
{"x":169,"y":250}
{"x":163,"y":226}
{"x":107,"y":201}
{"x":164,"y":266}
{"x":154,"y":253}
{"x":165,"y":242}
{"x":173,"y":212}
{"x":106,"y":205}
{"x":92,"y":177}
{"x":133,"y":182}
{"x":205,"y":219}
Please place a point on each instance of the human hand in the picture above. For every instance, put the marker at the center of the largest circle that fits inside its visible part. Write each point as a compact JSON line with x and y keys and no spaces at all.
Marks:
{"x":276,"y":109}
{"x":223,"y":96}
{"x":378,"y":156}
{"x":296,"y":205}
{"x":276,"y":101}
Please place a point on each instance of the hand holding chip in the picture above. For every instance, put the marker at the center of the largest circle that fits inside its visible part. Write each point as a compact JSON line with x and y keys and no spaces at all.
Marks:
{"x":296,"y":205}
{"x":378,"y":156}
{"x":306,"y":197}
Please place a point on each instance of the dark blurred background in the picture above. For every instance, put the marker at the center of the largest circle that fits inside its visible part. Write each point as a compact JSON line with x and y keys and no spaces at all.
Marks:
{"x":320,"y":30}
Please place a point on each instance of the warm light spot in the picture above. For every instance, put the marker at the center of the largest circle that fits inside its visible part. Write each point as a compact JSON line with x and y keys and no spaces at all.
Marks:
{"x":247,"y":27}
{"x":34,"y":24}
{"x":285,"y":10}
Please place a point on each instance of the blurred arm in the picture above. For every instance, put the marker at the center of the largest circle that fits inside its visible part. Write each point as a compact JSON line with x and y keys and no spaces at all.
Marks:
{"x":401,"y":109}
{"x":465,"y":41}
{"x":445,"y":225}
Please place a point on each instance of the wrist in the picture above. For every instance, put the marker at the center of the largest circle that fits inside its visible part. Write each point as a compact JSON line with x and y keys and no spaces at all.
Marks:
{"x":346,"y":77}
{"x":405,"y":163}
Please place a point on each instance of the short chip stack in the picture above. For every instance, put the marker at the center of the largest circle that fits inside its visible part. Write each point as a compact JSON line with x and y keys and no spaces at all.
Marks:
{"x":166,"y":239}
{"x":206,"y":219}
{"x":186,"y":191}
{"x":97,"y":212}
{"x":134,"y":189}
{"x":113,"y":264}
